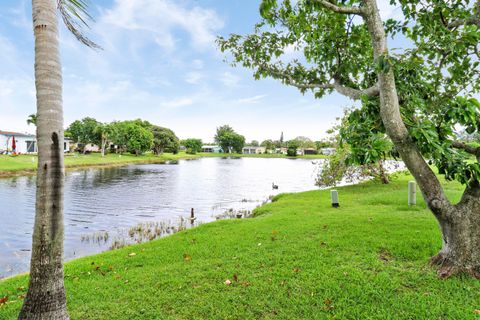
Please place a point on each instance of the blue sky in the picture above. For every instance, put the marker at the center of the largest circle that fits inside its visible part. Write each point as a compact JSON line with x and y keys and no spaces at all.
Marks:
{"x":160,"y":64}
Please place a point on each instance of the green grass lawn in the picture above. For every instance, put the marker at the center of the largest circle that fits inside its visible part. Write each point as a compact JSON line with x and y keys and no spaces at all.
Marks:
{"x":298,"y":259}
{"x":24,"y":164}
{"x":29,"y":162}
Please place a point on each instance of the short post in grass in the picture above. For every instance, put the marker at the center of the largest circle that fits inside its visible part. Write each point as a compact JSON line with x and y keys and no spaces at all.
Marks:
{"x":192,"y":216}
{"x":412,"y":193}
{"x":334,"y":194}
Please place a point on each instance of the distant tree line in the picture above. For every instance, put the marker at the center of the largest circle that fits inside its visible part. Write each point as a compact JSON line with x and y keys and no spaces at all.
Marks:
{"x":140,"y":136}
{"x":133,"y":136}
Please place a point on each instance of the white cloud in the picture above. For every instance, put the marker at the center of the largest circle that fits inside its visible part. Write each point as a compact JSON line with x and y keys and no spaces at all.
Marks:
{"x":251,"y":100}
{"x":229,"y":79}
{"x":176,"y":103}
{"x":161,"y":19}
{"x":193,"y":77}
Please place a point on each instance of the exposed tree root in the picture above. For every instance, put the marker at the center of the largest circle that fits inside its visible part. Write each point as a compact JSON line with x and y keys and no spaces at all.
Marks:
{"x":447,"y":269}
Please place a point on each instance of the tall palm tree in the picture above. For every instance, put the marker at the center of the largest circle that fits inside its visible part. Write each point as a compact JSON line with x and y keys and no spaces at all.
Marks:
{"x":46,"y":298}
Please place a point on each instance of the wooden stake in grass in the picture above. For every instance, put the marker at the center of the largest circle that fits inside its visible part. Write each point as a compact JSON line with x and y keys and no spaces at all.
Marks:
{"x":334,"y":194}
{"x":412,"y":193}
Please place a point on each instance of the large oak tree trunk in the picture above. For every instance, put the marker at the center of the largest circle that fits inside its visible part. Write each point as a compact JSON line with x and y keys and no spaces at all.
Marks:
{"x":46,"y":297}
{"x":460,"y":224}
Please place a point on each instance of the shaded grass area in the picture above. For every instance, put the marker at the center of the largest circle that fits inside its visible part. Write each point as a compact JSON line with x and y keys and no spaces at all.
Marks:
{"x":298,"y":259}
{"x":27,"y":164}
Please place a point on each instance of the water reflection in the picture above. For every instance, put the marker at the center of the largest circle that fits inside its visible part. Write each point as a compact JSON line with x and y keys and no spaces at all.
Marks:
{"x":114,"y":199}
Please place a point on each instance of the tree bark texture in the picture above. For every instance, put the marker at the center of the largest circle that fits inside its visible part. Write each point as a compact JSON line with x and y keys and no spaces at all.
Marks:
{"x":460,"y":224}
{"x":46,"y":298}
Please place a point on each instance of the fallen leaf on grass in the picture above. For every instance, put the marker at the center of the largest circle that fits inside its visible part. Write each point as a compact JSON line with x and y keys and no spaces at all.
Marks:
{"x":21,"y":297}
{"x":384,"y":255}
{"x":274,"y":235}
{"x":476,"y":312}
{"x":296,"y":269}
{"x":235,"y":277}
{"x":3,"y":300}
{"x":228,"y":282}
{"x":328,"y":305}
{"x":187,"y":257}
{"x":133,"y":254}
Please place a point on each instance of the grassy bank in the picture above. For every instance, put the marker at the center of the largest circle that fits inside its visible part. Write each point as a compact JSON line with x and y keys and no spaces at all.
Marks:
{"x":27,"y":164}
{"x":298,"y":259}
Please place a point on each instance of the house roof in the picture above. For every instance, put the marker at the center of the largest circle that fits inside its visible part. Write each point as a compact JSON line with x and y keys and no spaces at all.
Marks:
{"x":16,"y":134}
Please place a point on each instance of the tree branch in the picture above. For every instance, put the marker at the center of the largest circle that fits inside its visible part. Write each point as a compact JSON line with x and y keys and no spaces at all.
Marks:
{"x":473,"y":20}
{"x":352,"y":93}
{"x":341,"y":9}
{"x":356,"y":94}
{"x":467,"y":148}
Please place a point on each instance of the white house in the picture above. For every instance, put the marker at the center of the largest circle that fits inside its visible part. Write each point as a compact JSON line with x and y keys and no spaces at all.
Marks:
{"x":24,"y":142}
{"x":253,"y":150}
{"x":327,"y":151}
{"x":212,"y":149}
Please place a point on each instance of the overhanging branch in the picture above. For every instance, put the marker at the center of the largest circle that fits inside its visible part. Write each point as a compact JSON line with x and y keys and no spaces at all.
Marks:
{"x":356,"y":94}
{"x":341,"y":9}
{"x":352,"y":93}
{"x":464,"y":22}
{"x":473,"y":20}
{"x":467,"y":148}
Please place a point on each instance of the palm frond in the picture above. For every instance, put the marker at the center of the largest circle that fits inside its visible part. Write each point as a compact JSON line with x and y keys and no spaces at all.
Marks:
{"x":75,"y":16}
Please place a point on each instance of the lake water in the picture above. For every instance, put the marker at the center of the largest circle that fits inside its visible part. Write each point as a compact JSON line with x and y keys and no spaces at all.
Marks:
{"x":115,"y":199}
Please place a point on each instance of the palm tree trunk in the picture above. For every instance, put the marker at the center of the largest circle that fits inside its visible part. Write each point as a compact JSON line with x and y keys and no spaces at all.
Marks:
{"x":46,"y":297}
{"x":104,"y":145}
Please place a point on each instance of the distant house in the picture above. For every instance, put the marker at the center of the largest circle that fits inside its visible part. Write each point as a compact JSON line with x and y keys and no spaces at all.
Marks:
{"x":310,"y":151}
{"x":281,"y":150}
{"x":212,"y":149}
{"x":87,"y":148}
{"x":327,"y":151}
{"x":24,"y":143}
{"x":253,"y":150}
